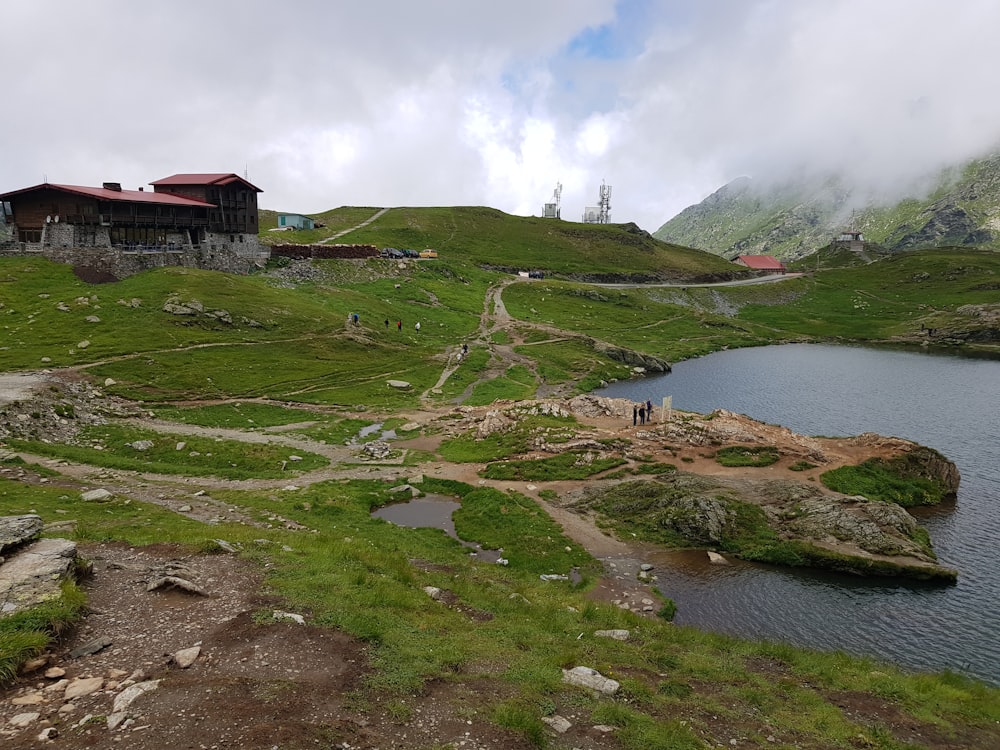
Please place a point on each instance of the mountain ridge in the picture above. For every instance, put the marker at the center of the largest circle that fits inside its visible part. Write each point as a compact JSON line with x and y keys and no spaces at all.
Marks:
{"x":797,"y":217}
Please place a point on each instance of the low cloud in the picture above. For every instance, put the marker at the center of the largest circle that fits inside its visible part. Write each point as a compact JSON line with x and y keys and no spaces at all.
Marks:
{"x":440,"y":103}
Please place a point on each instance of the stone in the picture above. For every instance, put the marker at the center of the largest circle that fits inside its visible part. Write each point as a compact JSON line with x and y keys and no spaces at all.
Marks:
{"x":186,"y":656}
{"x":21,"y":721}
{"x":91,"y":647}
{"x":141,"y":445}
{"x":28,"y":699}
{"x":92,"y":319}
{"x":557,"y":723}
{"x":590,"y":679}
{"x":83,"y":344}
{"x":181,"y":445}
{"x":279,"y":615}
{"x":35,"y":574}
{"x":185,"y":509}
{"x":54,"y":673}
{"x":401,"y":384}
{"x":16,"y":530}
{"x":716,"y":559}
{"x":108,"y":382}
{"x":433,"y":592}
{"x":619,"y":634}
{"x":95,"y":496}
{"x":82,"y":686}
{"x":175,"y":582}
{"x":49,"y":733}
{"x":126,"y":698}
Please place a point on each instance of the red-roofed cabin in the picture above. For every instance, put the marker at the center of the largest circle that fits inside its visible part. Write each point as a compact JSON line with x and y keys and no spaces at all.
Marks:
{"x":761,"y":263}
{"x":184,"y":212}
{"x":234,"y":199}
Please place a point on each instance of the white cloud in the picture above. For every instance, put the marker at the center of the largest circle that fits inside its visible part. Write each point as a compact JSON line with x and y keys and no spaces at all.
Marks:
{"x":446,"y":103}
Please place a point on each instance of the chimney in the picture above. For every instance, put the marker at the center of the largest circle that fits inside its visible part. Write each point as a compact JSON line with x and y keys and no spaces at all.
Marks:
{"x":116,"y":186}
{"x":141,"y":189}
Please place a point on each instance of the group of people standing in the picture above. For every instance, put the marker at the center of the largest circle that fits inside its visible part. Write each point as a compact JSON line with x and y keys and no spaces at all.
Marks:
{"x":642,"y":413}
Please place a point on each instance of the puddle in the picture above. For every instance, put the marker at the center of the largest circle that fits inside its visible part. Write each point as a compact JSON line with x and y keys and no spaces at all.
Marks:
{"x":371,"y":430}
{"x":431,"y":512}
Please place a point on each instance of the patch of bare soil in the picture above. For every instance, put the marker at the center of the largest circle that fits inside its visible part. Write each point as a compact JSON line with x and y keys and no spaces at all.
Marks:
{"x":254,"y":684}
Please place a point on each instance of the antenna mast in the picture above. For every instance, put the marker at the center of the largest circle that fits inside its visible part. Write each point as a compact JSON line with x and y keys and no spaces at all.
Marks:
{"x":604,"y":203}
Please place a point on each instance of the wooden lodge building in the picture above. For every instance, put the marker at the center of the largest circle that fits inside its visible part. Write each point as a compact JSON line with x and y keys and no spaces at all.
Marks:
{"x":186,"y":210}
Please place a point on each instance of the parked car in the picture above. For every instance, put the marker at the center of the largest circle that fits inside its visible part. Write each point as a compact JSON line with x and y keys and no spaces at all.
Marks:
{"x":391,"y":252}
{"x":428,"y":253}
{"x":536,"y":275}
{"x":410,"y":253}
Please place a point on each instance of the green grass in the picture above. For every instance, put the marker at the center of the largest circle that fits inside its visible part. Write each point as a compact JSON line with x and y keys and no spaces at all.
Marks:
{"x":111,"y":446}
{"x":469,"y":449}
{"x":747,"y":455}
{"x":245,"y":415}
{"x":27,"y":633}
{"x":885,"y":480}
{"x":569,"y":465}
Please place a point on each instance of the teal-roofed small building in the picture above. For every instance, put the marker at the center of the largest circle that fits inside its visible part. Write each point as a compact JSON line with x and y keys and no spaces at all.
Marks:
{"x":296,"y":221}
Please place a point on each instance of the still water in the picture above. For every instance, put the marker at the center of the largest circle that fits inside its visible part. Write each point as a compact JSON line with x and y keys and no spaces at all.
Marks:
{"x":948,"y":403}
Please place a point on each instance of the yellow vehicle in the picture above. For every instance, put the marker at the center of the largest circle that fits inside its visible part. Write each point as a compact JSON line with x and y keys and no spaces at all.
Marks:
{"x":428,"y":253}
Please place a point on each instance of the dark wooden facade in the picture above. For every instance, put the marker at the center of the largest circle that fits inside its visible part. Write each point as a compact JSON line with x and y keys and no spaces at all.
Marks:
{"x":234,"y":198}
{"x":190,"y":207}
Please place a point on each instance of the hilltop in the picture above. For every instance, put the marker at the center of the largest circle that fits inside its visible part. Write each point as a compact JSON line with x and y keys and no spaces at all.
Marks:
{"x":789,"y":220}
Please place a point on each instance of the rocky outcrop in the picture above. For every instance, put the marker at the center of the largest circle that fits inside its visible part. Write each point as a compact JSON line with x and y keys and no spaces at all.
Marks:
{"x":773,"y":521}
{"x":632,"y":358}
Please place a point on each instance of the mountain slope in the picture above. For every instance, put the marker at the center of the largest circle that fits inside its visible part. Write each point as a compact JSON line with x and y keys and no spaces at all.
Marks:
{"x":799,"y":217}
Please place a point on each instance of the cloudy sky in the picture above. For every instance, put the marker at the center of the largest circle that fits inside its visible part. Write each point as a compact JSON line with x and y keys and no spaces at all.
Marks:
{"x":324,"y":103}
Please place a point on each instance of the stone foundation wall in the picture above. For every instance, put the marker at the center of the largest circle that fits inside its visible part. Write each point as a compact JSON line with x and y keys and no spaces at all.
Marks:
{"x":238,"y":254}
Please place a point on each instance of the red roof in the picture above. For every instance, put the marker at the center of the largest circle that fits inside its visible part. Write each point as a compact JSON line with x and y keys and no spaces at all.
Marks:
{"x":128,"y":196}
{"x":760,"y":262}
{"x":204,"y":179}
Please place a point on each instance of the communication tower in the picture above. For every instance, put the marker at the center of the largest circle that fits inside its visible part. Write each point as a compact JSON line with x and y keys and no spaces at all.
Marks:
{"x":599,"y":214}
{"x":553,"y":210}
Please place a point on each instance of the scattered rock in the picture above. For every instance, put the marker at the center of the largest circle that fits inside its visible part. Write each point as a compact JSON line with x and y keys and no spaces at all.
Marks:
{"x":619,"y":634}
{"x":175,"y":582}
{"x":82,"y":686}
{"x":279,"y":615}
{"x":716,"y":559}
{"x":557,"y":723}
{"x":186,"y":656}
{"x":91,"y":647}
{"x":20,"y":721}
{"x":95,"y":496}
{"x":590,"y":679}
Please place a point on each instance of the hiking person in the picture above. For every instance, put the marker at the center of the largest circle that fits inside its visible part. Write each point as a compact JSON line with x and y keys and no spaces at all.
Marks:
{"x":635,"y":414}
{"x":387,"y":324}
{"x":649,"y":410}
{"x":399,"y":325}
{"x":642,"y":414}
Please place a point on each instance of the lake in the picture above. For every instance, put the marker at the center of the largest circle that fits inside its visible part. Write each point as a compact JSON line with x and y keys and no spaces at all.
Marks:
{"x":946,"y":402}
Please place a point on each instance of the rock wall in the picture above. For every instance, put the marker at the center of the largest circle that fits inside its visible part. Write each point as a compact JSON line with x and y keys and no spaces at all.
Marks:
{"x":238,"y":254}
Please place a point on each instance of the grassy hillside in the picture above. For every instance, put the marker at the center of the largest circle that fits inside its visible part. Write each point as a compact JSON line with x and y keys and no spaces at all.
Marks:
{"x":486,"y":236}
{"x":284,"y":334}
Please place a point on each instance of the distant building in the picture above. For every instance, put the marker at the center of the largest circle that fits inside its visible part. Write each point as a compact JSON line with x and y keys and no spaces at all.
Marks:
{"x":297,"y":221}
{"x":855,"y":241}
{"x":761,"y":263}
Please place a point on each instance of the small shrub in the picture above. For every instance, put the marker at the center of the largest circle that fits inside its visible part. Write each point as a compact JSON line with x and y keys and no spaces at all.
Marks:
{"x":802,"y":466}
